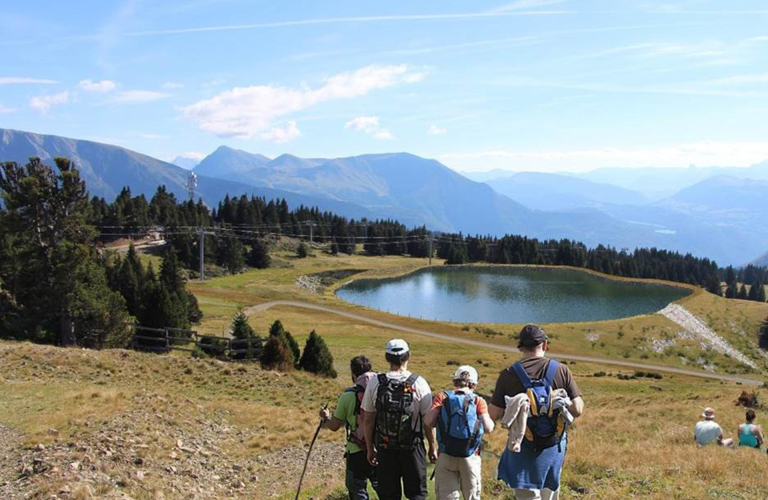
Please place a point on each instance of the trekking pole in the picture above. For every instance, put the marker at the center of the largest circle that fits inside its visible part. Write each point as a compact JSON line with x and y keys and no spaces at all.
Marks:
{"x":309,"y":452}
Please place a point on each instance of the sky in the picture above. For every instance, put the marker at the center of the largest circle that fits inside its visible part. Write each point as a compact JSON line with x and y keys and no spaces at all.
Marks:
{"x":541,"y":85}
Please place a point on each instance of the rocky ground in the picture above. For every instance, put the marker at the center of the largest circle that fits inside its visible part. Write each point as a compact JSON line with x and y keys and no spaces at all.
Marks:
{"x":147,"y":444}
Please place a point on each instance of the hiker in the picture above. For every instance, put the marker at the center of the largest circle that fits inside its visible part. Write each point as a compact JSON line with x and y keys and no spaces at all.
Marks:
{"x":708,"y":431}
{"x":533,"y":472}
{"x":750,"y":434}
{"x":460,"y":418}
{"x":395,"y":404}
{"x":349,"y":414}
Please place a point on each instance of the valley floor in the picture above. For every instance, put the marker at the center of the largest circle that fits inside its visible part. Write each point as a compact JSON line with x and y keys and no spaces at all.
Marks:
{"x":123,"y":424}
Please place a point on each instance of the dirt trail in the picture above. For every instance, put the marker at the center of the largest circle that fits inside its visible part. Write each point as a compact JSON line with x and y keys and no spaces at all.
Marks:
{"x":489,"y":345}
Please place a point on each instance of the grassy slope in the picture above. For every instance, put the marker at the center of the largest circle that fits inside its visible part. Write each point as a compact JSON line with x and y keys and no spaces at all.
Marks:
{"x":635,"y":439}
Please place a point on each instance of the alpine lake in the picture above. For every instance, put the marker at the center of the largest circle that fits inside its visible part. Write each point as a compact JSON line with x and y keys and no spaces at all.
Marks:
{"x":510,"y":294}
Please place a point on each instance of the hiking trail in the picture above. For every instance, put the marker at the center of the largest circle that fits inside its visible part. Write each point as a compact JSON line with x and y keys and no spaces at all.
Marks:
{"x":489,"y":345}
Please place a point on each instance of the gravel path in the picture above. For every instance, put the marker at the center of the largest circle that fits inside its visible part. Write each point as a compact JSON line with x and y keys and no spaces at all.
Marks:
{"x":489,"y":345}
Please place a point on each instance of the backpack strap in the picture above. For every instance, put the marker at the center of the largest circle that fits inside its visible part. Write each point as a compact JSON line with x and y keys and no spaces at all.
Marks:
{"x":549,"y":375}
{"x":411,"y":381}
{"x":522,"y":375}
{"x":447,"y":409}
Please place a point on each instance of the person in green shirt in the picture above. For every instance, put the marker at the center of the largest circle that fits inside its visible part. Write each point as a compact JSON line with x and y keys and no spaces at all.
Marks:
{"x":348,"y":414}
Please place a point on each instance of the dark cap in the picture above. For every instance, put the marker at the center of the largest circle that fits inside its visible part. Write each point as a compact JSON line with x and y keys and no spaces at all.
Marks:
{"x":531,"y":336}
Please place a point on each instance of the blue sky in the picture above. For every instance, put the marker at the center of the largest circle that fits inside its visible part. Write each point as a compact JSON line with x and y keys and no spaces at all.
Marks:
{"x":542,"y":85}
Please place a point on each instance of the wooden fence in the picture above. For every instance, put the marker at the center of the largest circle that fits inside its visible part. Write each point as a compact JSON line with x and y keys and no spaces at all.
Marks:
{"x":166,"y":339}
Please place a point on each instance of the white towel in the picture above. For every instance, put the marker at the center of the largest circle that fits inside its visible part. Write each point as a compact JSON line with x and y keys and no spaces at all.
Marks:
{"x":515,"y":419}
{"x":562,"y":402}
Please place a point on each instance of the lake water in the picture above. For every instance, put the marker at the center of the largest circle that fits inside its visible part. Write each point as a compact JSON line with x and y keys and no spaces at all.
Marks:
{"x":476,"y":294}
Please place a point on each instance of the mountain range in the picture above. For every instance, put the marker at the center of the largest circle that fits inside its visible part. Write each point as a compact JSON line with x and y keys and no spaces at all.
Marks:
{"x":716,"y":218}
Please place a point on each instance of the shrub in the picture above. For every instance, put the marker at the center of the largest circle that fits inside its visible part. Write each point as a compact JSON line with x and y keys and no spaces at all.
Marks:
{"x":211,"y":346}
{"x":302,"y":251}
{"x":452,"y":362}
{"x":748,"y":400}
{"x":277,"y":330}
{"x":317,"y":357}
{"x":599,"y":374}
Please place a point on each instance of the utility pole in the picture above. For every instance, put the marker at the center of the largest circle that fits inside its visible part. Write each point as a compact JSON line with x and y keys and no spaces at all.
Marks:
{"x":202,"y":254}
{"x":430,"y":248}
{"x":201,"y":233}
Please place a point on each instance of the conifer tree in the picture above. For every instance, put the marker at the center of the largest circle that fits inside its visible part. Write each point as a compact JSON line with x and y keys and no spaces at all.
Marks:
{"x":231,"y":254}
{"x":763,"y":335}
{"x":276,"y":355}
{"x":742,"y":294}
{"x":713,"y":286}
{"x":258,"y":257}
{"x":760,"y":295}
{"x":317,"y":358}
{"x":733,"y":290}
{"x":277,"y":330}
{"x":302,"y":251}
{"x":240,"y":328}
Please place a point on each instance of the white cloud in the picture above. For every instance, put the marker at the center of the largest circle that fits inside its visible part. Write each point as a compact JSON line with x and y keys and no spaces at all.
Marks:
{"x":5,"y":110}
{"x":741,"y":79}
{"x":370,"y":125}
{"x":435,"y":130}
{"x":282,"y":135}
{"x":703,"y":154}
{"x":139,"y":96}
{"x":250,"y":111}
{"x":7,"y":80}
{"x":173,"y":85}
{"x":101,"y":87}
{"x":44,"y":103}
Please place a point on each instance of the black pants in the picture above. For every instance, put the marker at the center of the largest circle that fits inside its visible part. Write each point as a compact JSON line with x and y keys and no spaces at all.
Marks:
{"x":410,"y":466}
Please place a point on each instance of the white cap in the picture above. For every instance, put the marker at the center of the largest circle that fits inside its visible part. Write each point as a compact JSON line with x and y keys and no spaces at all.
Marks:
{"x":397,"y":347}
{"x":466,"y":369}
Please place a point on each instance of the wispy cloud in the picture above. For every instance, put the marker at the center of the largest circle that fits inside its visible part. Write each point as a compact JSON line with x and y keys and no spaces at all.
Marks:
{"x":351,"y":20}
{"x":691,"y":89}
{"x":525,"y":4}
{"x":281,"y":135}
{"x":250,"y":111}
{"x":102,"y":87}
{"x":139,"y":96}
{"x":173,"y":86}
{"x":152,"y":137}
{"x":8,"y":80}
{"x":6,"y":110}
{"x":741,"y":80}
{"x":435,"y":130}
{"x":44,"y":103}
{"x":704,"y":153}
{"x":370,"y":125}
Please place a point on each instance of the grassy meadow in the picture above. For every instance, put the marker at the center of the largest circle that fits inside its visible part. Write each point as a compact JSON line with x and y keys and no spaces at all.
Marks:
{"x":634,"y":441}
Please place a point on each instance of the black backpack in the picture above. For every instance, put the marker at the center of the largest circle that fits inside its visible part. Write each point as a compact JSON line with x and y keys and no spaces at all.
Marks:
{"x":394,"y":414}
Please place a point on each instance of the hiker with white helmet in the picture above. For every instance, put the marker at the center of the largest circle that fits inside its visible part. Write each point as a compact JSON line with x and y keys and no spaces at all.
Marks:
{"x":349,"y":414}
{"x":395,"y":404}
{"x":460,"y":418}
{"x":532,"y":467}
{"x":708,"y":431}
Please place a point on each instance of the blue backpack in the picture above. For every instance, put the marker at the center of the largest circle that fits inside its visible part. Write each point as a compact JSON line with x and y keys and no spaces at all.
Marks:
{"x":545,"y":428}
{"x":459,"y":429}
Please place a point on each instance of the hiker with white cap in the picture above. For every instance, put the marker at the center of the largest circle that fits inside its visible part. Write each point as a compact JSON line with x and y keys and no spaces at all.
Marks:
{"x":708,"y":431}
{"x":460,"y":418}
{"x":395,"y":404}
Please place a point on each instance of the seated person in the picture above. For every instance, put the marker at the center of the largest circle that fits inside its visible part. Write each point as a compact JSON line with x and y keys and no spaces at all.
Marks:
{"x":750,"y":434}
{"x":708,"y":431}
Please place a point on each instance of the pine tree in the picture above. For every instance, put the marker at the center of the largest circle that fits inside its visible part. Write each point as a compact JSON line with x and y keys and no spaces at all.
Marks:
{"x":276,"y":355}
{"x":733,"y":290}
{"x":317,"y":358}
{"x":742,"y":294}
{"x":258,"y":257}
{"x":53,"y":270}
{"x":334,"y":248}
{"x":231,"y":255}
{"x":763,"y":335}
{"x":713,"y":286}
{"x":760,"y":295}
{"x":240,"y":328}
{"x":277,"y":330}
